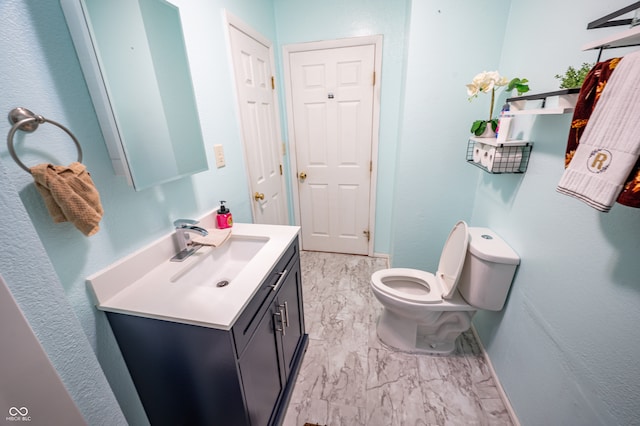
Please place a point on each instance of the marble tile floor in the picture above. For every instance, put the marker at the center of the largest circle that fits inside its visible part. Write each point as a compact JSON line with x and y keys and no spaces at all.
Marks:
{"x":349,"y":377}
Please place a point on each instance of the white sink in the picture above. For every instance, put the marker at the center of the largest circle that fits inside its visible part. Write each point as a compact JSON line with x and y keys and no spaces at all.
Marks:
{"x":221,"y":265}
{"x":148,"y":284}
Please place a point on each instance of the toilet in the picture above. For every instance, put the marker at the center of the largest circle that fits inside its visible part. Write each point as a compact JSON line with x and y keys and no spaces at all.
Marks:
{"x":425,"y":312}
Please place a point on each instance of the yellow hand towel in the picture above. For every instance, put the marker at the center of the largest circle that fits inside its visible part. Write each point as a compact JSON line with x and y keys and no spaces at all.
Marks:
{"x":215,"y":238}
{"x":70,"y":195}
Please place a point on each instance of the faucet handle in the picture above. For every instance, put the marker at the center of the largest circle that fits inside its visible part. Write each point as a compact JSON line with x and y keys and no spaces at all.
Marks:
{"x":183,"y":223}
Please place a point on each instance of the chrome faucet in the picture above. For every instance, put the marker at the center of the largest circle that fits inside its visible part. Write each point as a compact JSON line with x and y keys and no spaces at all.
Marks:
{"x":186,"y":246}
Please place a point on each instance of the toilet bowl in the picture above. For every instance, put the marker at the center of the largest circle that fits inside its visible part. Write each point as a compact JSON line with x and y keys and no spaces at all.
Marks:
{"x":425,"y":312}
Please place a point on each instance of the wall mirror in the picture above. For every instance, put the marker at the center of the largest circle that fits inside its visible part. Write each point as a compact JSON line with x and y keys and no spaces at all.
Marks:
{"x":135,"y":63}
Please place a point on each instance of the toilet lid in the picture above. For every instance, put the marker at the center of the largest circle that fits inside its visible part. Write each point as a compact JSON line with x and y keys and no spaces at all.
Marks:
{"x":452,"y":259}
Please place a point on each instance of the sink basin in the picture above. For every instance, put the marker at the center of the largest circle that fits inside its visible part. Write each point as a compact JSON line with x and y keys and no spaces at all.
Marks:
{"x":146,"y":283}
{"x":220,"y":265}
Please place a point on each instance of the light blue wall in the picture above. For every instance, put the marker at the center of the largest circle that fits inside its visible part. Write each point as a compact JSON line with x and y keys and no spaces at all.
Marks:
{"x":40,"y":71}
{"x":25,"y":267}
{"x":300,"y":21}
{"x":449,"y":43}
{"x":565,"y":347}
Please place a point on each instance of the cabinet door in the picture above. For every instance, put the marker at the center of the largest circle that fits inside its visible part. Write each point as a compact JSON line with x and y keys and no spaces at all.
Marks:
{"x":184,"y":374}
{"x":260,"y":370}
{"x":289,"y":306}
{"x":249,"y":319}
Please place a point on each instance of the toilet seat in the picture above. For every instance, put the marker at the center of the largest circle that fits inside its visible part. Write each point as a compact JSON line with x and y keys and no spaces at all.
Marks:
{"x":432,"y":292}
{"x":438,"y":287}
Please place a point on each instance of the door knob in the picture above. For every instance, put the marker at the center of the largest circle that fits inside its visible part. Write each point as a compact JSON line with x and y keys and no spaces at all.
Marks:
{"x":302,"y":175}
{"x":258,"y":196}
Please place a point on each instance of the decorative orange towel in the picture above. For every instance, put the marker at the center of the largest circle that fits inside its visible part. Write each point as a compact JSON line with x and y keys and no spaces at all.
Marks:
{"x":70,"y":195}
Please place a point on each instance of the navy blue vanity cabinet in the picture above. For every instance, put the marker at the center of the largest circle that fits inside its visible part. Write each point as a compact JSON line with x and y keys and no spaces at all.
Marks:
{"x":268,"y":362}
{"x":192,"y":375}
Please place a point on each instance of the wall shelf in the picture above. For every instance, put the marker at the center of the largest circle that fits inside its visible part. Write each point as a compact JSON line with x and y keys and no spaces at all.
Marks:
{"x":556,"y":102}
{"x":608,"y":21}
{"x":627,"y":38}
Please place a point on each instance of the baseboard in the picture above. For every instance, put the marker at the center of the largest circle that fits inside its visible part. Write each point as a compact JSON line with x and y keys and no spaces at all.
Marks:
{"x":383,"y":256}
{"x":501,"y":391}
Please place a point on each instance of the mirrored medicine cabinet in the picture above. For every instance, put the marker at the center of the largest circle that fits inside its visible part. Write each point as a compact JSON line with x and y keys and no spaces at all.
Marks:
{"x":135,"y":63}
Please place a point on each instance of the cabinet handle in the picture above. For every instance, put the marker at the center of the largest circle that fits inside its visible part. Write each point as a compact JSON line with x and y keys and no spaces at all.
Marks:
{"x":282,"y":274}
{"x":284,"y":332}
{"x":281,"y":314}
{"x":286,"y":313}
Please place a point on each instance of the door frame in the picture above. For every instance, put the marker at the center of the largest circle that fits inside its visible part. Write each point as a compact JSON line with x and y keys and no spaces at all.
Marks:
{"x":231,"y":20}
{"x":376,"y":41}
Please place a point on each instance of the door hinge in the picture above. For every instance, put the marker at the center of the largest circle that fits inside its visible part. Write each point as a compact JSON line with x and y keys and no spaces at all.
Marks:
{"x":374,"y":78}
{"x":367,"y":234}
{"x":370,"y":166}
{"x":273,"y":83}
{"x":280,"y":169}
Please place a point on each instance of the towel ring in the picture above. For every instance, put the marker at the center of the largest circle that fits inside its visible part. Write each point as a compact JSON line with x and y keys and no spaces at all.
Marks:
{"x":27,"y":121}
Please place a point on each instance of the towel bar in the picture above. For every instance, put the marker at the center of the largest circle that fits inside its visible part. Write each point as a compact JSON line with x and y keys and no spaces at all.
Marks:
{"x":27,"y":121}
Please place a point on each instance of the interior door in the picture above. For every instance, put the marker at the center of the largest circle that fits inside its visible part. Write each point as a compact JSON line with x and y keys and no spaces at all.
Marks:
{"x":332,"y":94}
{"x":260,"y":125}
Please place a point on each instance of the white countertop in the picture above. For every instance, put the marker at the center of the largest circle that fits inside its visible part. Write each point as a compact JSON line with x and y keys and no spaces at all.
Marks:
{"x":140,"y":283}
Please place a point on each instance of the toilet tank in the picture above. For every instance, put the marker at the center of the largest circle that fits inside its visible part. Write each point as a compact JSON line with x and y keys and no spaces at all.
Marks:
{"x":488,"y":270}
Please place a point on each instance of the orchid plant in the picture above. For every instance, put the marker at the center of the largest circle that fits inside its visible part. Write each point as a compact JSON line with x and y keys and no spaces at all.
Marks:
{"x":488,"y":82}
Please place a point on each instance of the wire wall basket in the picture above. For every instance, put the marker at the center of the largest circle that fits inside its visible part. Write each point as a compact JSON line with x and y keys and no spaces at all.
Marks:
{"x":496,"y":158}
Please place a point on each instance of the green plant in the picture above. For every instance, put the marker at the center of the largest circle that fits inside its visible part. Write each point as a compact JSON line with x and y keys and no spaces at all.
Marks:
{"x":520,"y":84}
{"x":573,"y":78}
{"x":479,"y":126}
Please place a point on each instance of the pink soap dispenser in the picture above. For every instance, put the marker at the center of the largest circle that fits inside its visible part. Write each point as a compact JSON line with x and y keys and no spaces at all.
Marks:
{"x":223,"y":218}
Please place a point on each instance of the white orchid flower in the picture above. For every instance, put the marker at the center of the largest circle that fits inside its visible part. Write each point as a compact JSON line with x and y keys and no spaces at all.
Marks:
{"x":487,"y":85}
{"x":472,"y":90}
{"x":493,"y":76}
{"x":503,"y":81}
{"x":485,"y":82}
{"x":480,"y":80}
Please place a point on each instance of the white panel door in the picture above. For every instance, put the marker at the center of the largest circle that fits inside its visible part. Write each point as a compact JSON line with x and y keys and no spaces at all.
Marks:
{"x":332,"y":101}
{"x":259,"y":119}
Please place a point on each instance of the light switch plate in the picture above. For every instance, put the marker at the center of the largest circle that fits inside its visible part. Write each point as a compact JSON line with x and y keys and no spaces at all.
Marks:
{"x":219,"y":152}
